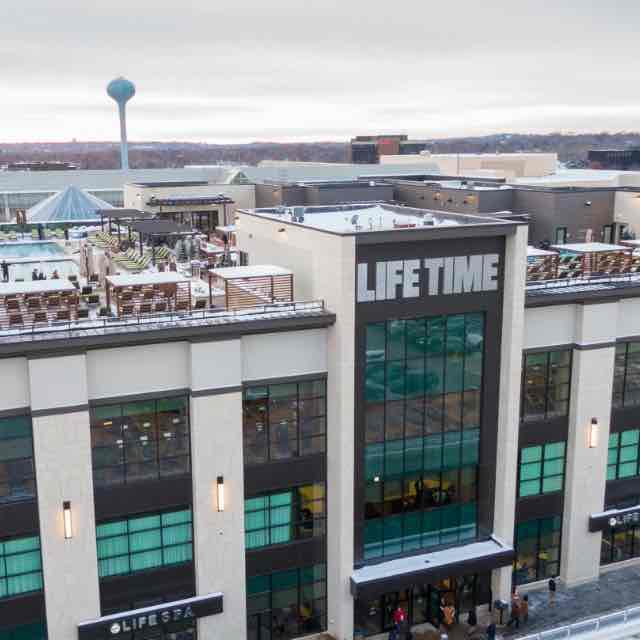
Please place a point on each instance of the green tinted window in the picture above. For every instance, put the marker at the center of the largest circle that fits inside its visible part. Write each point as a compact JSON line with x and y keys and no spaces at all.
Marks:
{"x":20,"y":566}
{"x":541,"y":469}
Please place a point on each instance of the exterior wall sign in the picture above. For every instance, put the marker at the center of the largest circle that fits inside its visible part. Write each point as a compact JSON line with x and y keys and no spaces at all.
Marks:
{"x":114,"y":626}
{"x":403,"y":279}
{"x":614,"y":518}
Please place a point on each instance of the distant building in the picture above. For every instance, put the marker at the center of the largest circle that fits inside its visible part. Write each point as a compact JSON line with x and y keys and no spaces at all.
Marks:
{"x":619,"y":159}
{"x":368,"y":149}
{"x":41,"y":166}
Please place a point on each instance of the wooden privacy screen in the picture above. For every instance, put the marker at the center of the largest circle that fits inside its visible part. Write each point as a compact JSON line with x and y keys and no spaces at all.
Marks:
{"x":243,"y":293}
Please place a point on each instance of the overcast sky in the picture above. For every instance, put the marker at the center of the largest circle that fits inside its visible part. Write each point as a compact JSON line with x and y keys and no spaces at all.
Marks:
{"x":245,"y":70}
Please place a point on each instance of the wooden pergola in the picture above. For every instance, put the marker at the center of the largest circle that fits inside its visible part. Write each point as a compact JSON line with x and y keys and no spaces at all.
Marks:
{"x":37,"y":302}
{"x":252,"y":286}
{"x":585,"y":259}
{"x":147,"y":292}
{"x":156,"y":229}
{"x":121,"y":216}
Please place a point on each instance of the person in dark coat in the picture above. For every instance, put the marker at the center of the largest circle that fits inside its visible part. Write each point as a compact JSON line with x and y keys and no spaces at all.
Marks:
{"x":5,"y":271}
{"x":552,"y":592}
{"x":515,"y":611}
{"x":34,"y":274}
{"x":491,"y":631}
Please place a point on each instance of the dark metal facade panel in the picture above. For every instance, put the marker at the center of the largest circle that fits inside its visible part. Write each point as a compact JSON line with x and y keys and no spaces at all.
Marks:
{"x":154,"y":583}
{"x":25,"y":609}
{"x":542,"y":506}
{"x":145,"y":497}
{"x":19,"y":519}
{"x":282,"y":474}
{"x":302,"y":553}
{"x":621,"y":490}
{"x":536,"y":432}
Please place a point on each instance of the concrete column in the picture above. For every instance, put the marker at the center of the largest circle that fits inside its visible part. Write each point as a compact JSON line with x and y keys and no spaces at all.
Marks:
{"x":509,"y":403}
{"x":340,"y":271}
{"x":586,"y":468}
{"x":216,"y":450}
{"x":62,"y":447}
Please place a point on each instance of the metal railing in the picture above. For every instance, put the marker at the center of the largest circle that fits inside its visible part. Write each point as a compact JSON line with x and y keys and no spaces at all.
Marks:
{"x":618,"y":278}
{"x":603,"y":623}
{"x":61,"y":329}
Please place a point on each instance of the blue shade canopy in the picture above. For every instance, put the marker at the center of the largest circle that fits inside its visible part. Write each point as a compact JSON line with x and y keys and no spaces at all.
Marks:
{"x":68,"y":205}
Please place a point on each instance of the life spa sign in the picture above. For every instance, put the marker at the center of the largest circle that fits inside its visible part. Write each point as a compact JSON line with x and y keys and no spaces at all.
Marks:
{"x":406,"y":279}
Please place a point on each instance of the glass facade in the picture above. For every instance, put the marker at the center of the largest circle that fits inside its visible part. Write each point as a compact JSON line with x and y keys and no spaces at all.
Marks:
{"x":626,"y":379}
{"x":624,"y":454}
{"x":20,"y":566}
{"x":287,"y":604}
{"x":284,"y":516}
{"x":35,"y":631}
{"x":545,"y":384}
{"x":17,"y":471}
{"x":423,"y":384}
{"x":144,"y":542}
{"x":537,"y":545}
{"x":541,"y":469}
{"x":284,"y":421}
{"x":137,"y":441}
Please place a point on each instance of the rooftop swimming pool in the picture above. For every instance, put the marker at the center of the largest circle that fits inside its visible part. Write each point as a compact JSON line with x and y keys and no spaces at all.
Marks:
{"x":23,"y":269}
{"x":30,"y":250}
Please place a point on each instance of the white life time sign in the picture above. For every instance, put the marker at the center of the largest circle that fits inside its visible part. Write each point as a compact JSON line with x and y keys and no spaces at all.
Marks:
{"x":398,"y":279}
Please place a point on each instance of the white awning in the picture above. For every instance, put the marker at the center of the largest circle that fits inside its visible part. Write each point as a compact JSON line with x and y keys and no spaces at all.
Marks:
{"x":35,"y":286}
{"x":535,"y":252}
{"x":166,"y":277}
{"x":256,"y":271}
{"x":589,"y":247}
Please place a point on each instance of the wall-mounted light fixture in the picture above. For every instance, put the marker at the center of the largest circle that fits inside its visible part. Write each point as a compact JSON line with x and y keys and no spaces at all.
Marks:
{"x":594,"y":433}
{"x":220,"y":491}
{"x":68,"y":524}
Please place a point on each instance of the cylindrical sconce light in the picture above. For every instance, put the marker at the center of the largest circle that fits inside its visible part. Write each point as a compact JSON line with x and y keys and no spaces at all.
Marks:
{"x":220,"y":489}
{"x":594,"y":432}
{"x":68,"y":525}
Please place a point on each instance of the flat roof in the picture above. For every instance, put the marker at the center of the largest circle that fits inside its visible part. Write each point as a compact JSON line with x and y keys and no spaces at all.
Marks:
{"x":172,"y":183}
{"x":119,"y":213}
{"x":167,"y":277}
{"x":589,"y":247}
{"x":252,"y":271}
{"x":371,"y":217}
{"x":36,"y":286}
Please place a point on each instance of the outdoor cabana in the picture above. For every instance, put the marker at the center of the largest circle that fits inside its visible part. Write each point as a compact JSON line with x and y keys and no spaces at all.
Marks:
{"x":253,"y":285}
{"x":542,"y":264}
{"x":156,"y":231}
{"x":37,"y":302}
{"x":147,"y":293}
{"x":585,"y":259}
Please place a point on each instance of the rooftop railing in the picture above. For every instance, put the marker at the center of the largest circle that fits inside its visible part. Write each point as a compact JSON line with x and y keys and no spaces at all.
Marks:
{"x":605,"y":624}
{"x":158,"y":321}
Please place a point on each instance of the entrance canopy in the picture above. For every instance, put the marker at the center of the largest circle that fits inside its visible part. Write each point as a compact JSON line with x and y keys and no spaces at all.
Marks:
{"x":476,"y":557}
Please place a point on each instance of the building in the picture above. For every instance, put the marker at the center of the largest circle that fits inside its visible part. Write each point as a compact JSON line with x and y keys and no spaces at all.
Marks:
{"x":557,"y":214}
{"x":200,"y":203}
{"x":434,"y":418}
{"x":369,"y":149}
{"x":497,"y":165}
{"x":274,"y":194}
{"x":41,"y":165}
{"x":618,"y":159}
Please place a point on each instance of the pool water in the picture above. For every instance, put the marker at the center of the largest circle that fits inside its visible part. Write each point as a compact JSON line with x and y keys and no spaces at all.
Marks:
{"x":30,"y":250}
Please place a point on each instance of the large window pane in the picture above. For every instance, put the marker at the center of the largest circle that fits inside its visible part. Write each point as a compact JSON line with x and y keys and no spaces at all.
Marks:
{"x":545,"y":385}
{"x":17,"y":472}
{"x":144,"y":542}
{"x":283,"y":421}
{"x":20,"y":566}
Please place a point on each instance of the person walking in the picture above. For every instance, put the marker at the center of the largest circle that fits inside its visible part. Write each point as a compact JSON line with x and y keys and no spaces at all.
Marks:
{"x":491,"y":631}
{"x":552,"y":592}
{"x":515,"y":611}
{"x":472,"y":622}
{"x":5,"y":271}
{"x":524,"y":609}
{"x":34,"y":274}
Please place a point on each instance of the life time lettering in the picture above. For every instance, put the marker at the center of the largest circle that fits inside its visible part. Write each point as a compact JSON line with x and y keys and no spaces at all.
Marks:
{"x":398,"y":279}
{"x":135,"y":623}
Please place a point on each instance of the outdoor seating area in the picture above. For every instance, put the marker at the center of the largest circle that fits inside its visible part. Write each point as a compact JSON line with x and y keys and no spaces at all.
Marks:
{"x":246,"y":287}
{"x":37,"y":302}
{"x":583,"y":261}
{"x":142,"y":293}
